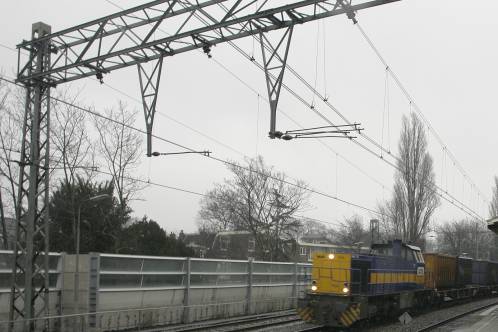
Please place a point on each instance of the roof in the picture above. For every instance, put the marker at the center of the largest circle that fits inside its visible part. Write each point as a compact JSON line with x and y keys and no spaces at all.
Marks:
{"x":314,"y":236}
{"x":233,"y":233}
{"x":195,"y":245}
{"x":412,"y":247}
{"x":492,"y":221}
{"x":390,"y":244}
{"x":324,"y":245}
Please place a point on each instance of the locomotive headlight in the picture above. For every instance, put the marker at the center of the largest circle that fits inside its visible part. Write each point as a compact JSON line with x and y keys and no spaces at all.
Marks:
{"x":331,"y":256}
{"x":314,"y":288}
{"x":345,"y":289}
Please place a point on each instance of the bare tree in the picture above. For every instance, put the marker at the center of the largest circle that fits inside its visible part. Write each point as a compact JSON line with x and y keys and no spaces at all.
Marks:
{"x":414,"y":198}
{"x":121,"y":149}
{"x":493,"y":205}
{"x":3,"y":161}
{"x":73,"y":152}
{"x":12,"y":101}
{"x":257,"y":199}
{"x":463,"y":236}
{"x":11,"y":121}
{"x":218,"y":212}
{"x":313,"y":227}
{"x":352,"y":232}
{"x":73,"y":149}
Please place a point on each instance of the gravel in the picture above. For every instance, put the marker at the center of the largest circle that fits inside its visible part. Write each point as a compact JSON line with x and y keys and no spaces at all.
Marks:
{"x":432,"y":317}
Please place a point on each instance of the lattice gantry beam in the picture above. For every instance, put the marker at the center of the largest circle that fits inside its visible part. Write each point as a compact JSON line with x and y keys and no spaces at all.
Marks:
{"x":30,"y":272}
{"x":274,"y":61}
{"x":149,"y":79}
{"x":167,"y":28}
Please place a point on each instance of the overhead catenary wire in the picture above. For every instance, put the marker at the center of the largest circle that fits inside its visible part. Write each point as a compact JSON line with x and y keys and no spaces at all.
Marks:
{"x":349,"y":162}
{"x":451,"y":199}
{"x":223,"y":161}
{"x":417,"y":108}
{"x":179,"y":189}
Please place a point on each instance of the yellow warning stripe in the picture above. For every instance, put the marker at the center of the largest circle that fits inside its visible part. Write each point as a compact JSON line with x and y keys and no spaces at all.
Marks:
{"x":344,"y":321}
{"x":305,"y":313}
{"x":356,"y":311}
{"x":350,"y":315}
{"x":307,"y":317}
{"x":301,"y":310}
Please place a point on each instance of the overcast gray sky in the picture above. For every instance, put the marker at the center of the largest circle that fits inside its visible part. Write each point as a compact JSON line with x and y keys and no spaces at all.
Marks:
{"x":443,"y":51}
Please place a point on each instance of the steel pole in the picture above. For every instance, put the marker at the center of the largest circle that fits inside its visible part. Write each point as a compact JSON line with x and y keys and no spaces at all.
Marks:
{"x":477,"y":242}
{"x":77,"y":268}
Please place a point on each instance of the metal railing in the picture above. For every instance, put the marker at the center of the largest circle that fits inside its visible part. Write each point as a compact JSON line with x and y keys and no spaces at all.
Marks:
{"x":124,"y":272}
{"x":125,"y":291}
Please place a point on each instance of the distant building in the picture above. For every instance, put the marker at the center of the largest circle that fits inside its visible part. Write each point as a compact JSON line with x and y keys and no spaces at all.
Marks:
{"x":233,"y":245}
{"x":315,"y":239}
{"x":307,"y":245}
{"x":242,"y":245}
{"x":200,"y":243}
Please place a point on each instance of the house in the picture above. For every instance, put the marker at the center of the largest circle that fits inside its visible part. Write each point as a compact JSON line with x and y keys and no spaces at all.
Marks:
{"x":315,"y":239}
{"x":200,"y":243}
{"x":307,"y":245}
{"x":241,"y":245}
{"x":233,"y":245}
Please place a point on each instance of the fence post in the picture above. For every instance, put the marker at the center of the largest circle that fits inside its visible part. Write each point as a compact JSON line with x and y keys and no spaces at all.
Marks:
{"x":186,"y":296}
{"x":60,"y":293}
{"x":93,"y":289}
{"x":249,"y":286}
{"x":294,"y":287}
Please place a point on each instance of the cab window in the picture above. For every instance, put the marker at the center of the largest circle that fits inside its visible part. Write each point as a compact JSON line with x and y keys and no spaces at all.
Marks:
{"x":407,"y":254}
{"x":383,"y":251}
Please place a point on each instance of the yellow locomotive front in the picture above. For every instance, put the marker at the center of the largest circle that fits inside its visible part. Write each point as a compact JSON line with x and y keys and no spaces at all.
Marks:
{"x":331,"y":273}
{"x":329,"y":299}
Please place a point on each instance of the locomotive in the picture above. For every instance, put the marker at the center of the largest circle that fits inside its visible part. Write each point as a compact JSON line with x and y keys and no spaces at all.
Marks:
{"x":350,"y":288}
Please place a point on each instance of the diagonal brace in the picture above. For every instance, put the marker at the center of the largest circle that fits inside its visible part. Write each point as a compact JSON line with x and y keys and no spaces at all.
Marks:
{"x":149,"y":88}
{"x":274,"y":61}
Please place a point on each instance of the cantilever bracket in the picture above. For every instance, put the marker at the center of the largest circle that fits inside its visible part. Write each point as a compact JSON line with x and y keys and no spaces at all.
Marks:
{"x":274,"y":61}
{"x":149,"y":88}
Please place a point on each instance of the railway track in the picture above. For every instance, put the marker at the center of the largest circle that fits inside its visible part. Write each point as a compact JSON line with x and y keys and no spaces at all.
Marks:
{"x":455,"y":317}
{"x":238,"y":324}
{"x":283,"y":325}
{"x":311,"y":328}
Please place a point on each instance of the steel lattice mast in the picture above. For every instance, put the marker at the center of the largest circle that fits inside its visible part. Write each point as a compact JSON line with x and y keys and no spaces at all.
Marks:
{"x":133,"y":37}
{"x":30,"y":273}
